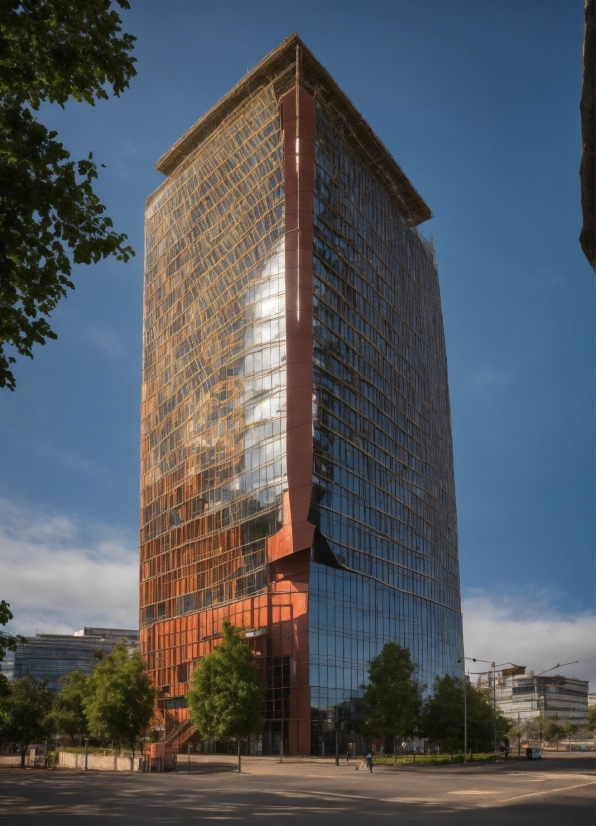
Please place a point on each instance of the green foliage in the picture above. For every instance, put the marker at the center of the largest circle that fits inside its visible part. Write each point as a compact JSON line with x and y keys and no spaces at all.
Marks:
{"x":227,"y":695}
{"x":435,"y":759}
{"x":390,"y":704}
{"x":118,"y":700}
{"x":50,"y":217}
{"x":56,"y":49}
{"x":552,"y":729}
{"x":7,"y":642}
{"x":532,"y":727}
{"x":570,"y":729}
{"x":592,"y":719}
{"x":25,"y":713}
{"x":442,"y":719}
{"x":68,"y":715}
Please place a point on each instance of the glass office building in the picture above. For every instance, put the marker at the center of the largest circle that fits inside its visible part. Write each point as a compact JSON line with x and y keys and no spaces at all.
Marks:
{"x":297,"y":468}
{"x":51,"y":657}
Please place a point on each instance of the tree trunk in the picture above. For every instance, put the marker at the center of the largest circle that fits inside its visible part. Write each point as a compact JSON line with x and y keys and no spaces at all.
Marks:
{"x":23,"y":754}
{"x":132,"y":759}
{"x":239,"y":757}
{"x":395,"y":750}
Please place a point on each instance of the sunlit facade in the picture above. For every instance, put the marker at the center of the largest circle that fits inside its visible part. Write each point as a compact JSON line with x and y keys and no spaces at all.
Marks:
{"x":297,"y":470}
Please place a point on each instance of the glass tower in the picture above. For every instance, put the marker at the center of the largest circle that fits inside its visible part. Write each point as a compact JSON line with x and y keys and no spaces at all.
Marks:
{"x":296,"y":456}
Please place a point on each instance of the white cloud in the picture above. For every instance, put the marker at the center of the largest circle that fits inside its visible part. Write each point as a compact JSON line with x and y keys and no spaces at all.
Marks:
{"x":60,"y":572}
{"x":105,"y":339}
{"x":528,"y":630}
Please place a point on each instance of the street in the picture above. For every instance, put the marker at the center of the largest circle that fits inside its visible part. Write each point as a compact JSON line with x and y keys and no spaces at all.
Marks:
{"x":557,"y":790}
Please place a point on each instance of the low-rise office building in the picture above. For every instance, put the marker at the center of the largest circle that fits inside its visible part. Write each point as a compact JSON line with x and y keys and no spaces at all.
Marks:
{"x":522,"y":696}
{"x":52,"y":656}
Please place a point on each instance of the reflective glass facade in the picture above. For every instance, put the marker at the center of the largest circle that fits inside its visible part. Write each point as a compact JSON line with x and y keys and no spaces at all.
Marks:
{"x":384,"y":495}
{"x":296,"y":458}
{"x":213,"y":453}
{"x":52,"y":656}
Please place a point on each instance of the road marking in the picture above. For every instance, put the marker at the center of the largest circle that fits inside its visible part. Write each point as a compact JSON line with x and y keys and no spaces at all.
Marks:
{"x":472,"y":791}
{"x":552,"y":774}
{"x":546,"y":791}
{"x":323,"y":795}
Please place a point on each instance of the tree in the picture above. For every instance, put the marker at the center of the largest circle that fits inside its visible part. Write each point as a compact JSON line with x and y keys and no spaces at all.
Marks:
{"x":50,"y":51}
{"x":552,"y":730}
{"x":7,"y":642}
{"x":516,"y":731}
{"x":227,"y":695}
{"x":24,"y":713}
{"x":118,"y":700}
{"x":68,"y":713}
{"x":442,"y":719}
{"x":390,"y":704}
{"x":533,"y":728}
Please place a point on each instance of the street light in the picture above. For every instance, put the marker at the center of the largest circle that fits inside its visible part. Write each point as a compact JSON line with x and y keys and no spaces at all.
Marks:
{"x":465,"y":712}
{"x":494,"y":666}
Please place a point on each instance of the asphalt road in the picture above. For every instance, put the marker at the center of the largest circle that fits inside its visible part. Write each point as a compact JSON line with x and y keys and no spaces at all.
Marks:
{"x":556,"y":790}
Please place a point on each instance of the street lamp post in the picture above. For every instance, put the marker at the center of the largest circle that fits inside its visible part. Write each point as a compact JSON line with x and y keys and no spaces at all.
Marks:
{"x":465,"y":721}
{"x":494,"y":666}
{"x":495,"y":705}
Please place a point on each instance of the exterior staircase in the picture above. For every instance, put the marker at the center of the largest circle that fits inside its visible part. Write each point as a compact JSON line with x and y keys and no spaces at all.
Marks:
{"x":181,"y":736}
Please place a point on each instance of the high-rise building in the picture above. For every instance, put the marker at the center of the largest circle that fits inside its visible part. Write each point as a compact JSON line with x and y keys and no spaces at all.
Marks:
{"x":297,"y":468}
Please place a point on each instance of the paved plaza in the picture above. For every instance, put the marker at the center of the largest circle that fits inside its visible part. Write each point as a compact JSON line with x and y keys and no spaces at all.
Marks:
{"x":557,"y":790}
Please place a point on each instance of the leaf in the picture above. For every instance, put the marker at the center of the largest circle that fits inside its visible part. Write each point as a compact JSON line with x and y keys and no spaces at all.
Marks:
{"x":227,"y":695}
{"x":50,"y":217}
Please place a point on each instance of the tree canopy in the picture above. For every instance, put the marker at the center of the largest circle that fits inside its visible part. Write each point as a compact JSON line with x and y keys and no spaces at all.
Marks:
{"x":50,"y":217}
{"x":442,"y":719}
{"x":24,"y":713}
{"x":118,"y":697}
{"x":227,"y":695}
{"x":7,"y":642}
{"x":68,"y":712}
{"x":390,"y":704}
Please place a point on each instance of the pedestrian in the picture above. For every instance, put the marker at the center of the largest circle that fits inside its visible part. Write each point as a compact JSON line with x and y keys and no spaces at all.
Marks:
{"x":369,"y":761}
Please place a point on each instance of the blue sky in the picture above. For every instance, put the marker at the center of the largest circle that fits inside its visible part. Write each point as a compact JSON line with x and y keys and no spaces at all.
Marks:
{"x":478,"y":102}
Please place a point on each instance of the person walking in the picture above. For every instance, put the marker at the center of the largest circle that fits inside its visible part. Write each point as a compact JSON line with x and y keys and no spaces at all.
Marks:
{"x":369,"y":761}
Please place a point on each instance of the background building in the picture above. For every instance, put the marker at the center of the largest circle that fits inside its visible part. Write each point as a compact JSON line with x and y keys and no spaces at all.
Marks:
{"x":296,"y":456}
{"x":52,"y":656}
{"x":522,"y":696}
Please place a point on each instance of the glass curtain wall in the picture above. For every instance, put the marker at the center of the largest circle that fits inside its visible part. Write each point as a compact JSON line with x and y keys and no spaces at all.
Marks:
{"x":213,"y":414}
{"x":384,"y":498}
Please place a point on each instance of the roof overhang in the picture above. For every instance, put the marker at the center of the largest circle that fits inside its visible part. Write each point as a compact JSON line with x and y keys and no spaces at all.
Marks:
{"x":279,"y":67}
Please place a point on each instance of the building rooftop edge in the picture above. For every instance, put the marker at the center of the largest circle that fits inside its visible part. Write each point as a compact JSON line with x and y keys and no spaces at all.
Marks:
{"x":377,"y":157}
